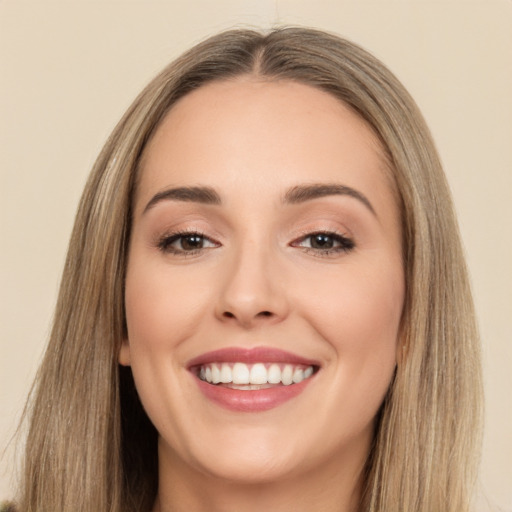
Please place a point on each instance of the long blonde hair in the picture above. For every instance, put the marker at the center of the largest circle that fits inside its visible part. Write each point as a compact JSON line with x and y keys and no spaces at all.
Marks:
{"x":90,"y":445}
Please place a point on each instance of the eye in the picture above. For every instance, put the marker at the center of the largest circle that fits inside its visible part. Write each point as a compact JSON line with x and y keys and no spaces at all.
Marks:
{"x":324,"y":243}
{"x":185,"y":243}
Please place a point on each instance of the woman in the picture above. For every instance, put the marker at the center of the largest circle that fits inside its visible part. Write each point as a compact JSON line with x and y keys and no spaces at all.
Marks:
{"x":265,"y":302}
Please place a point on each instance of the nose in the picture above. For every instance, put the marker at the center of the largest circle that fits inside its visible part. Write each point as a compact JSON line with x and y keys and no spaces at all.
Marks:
{"x":252,"y":292}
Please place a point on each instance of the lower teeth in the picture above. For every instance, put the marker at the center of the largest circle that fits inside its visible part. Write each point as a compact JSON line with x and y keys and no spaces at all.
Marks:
{"x":249,"y":387}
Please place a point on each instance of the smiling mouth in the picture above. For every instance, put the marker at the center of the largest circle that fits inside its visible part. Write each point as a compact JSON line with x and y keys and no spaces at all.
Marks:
{"x":255,"y":376}
{"x":253,"y":379}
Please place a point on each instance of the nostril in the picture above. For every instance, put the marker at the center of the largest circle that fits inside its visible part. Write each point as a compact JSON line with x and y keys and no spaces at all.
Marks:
{"x":228,"y":314}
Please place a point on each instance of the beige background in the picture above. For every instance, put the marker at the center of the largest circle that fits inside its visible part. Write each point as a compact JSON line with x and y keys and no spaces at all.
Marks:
{"x":69,"y":69}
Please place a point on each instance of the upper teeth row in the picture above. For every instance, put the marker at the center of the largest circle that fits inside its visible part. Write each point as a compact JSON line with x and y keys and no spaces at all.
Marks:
{"x":241,"y":373}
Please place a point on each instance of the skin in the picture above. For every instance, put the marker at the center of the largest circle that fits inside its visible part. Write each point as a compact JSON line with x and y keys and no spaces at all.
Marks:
{"x":258,"y":281}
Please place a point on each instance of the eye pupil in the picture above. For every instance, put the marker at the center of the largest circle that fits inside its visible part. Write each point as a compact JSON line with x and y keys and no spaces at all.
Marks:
{"x":191,"y":242}
{"x":322,"y":241}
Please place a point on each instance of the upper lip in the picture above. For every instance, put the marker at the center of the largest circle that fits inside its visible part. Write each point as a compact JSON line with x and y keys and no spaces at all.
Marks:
{"x":251,"y":356}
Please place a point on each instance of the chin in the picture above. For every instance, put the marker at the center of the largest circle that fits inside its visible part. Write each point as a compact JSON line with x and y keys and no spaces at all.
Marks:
{"x":247,"y":455}
{"x":253,"y":467}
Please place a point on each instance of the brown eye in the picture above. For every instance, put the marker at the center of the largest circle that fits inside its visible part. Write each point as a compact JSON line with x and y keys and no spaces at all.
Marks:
{"x":325,"y":243}
{"x":185,"y":243}
{"x":191,"y":242}
{"x":321,"y":241}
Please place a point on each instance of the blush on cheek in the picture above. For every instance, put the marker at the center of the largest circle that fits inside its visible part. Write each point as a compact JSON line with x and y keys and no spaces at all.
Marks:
{"x":149,"y":307}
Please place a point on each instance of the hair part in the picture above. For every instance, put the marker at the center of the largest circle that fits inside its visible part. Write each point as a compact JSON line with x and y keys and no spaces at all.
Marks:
{"x":90,"y":444}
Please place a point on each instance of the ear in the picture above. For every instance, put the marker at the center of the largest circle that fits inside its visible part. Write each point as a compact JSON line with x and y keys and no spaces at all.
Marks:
{"x":124,"y":353}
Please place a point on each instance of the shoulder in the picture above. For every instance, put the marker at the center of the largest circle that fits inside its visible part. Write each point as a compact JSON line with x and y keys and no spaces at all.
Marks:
{"x":5,"y":506}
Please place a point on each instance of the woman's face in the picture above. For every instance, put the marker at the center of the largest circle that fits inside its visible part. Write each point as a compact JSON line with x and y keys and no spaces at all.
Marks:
{"x":265,"y":284}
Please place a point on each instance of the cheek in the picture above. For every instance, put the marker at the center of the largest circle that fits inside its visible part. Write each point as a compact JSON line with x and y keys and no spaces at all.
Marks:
{"x":162,"y":307}
{"x":365,"y":304}
{"x":357,"y":311}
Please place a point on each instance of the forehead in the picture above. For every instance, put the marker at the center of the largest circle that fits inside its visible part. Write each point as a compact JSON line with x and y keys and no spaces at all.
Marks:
{"x":282,"y":132}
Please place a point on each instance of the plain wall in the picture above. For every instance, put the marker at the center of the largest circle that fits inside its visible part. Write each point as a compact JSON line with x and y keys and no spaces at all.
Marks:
{"x":69,"y":69}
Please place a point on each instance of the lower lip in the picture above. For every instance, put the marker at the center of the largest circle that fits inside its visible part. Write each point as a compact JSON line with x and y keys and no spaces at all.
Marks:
{"x":256,"y":400}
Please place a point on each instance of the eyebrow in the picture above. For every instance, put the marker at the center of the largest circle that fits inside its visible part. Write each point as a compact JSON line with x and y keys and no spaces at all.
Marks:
{"x":295,"y":195}
{"x":303,"y":193}
{"x":203,"y":195}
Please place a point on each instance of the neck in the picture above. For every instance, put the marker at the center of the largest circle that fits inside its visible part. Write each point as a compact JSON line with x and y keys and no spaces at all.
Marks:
{"x":334,"y":487}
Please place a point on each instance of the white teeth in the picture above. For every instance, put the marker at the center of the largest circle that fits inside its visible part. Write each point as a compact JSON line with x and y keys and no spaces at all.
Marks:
{"x":274,"y":374}
{"x":258,"y":374}
{"x":248,"y":387}
{"x":215,"y":374}
{"x":298,"y":375}
{"x":226,"y":375}
{"x":287,"y":375}
{"x":241,"y":373}
{"x":254,"y":376}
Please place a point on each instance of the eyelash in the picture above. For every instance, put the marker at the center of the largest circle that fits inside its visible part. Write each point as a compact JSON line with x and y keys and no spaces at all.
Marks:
{"x":164,"y":243}
{"x":346,"y":244}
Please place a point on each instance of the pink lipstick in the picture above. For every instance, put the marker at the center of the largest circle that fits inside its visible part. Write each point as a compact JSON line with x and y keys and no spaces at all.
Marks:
{"x":251,"y":380}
